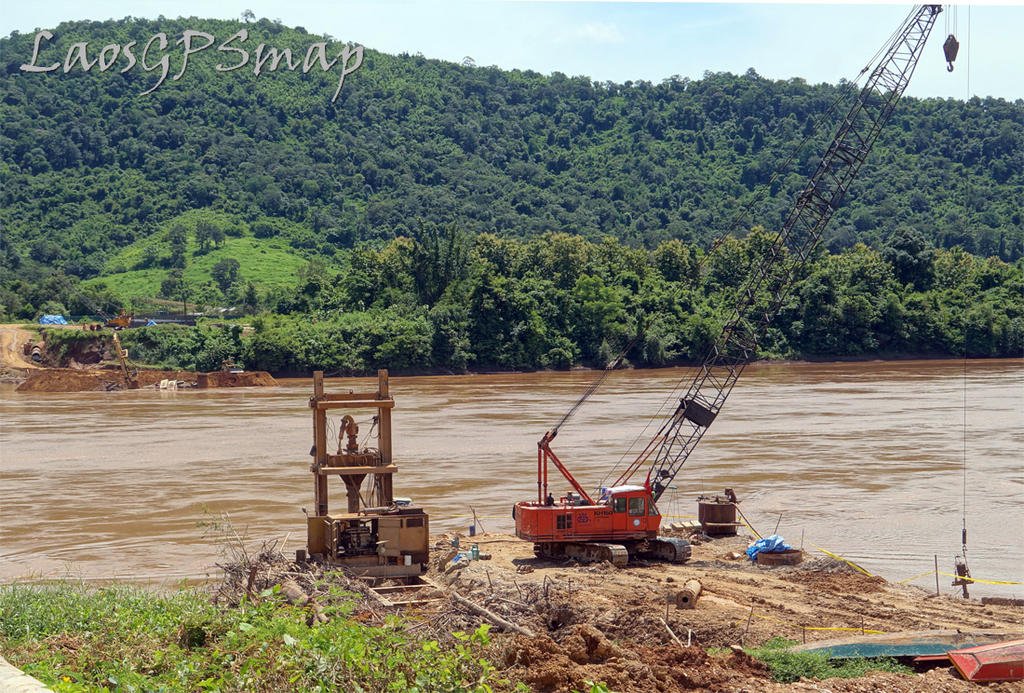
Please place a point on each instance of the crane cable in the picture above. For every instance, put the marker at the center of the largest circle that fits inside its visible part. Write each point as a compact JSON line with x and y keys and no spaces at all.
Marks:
{"x":743,"y":213}
{"x":967,"y":211}
{"x":596,"y":384}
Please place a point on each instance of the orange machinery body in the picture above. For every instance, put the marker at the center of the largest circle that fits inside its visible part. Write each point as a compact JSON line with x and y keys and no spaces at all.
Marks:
{"x":122,"y":321}
{"x":623,"y":514}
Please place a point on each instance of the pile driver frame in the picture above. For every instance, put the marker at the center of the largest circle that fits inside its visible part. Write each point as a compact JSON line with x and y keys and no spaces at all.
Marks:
{"x":376,"y":536}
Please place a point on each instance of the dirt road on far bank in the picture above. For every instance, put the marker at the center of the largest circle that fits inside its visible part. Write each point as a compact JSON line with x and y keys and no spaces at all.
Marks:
{"x":12,"y":341}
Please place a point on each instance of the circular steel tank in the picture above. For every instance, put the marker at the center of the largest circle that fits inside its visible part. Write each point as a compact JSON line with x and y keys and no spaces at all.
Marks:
{"x":788,"y":557}
{"x":717,"y":517}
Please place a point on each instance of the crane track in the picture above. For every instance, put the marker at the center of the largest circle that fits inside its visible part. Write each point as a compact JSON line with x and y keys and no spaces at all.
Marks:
{"x":585,"y":552}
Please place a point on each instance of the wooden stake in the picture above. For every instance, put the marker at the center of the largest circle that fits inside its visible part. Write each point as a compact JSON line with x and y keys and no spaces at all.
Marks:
{"x":749,"y":619}
{"x":476,"y":521}
{"x":384,"y":435}
{"x":936,"y":575}
{"x":491,"y":616}
{"x":678,"y":641}
{"x":319,"y":445}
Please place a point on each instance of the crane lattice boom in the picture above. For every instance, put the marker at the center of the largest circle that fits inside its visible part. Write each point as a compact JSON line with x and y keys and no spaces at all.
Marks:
{"x":772,"y":275}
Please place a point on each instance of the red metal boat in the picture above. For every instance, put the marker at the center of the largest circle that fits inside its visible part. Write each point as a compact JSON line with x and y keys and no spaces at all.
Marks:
{"x":1002,"y":661}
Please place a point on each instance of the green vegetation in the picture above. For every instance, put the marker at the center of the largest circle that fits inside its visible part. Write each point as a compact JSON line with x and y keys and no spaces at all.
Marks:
{"x":442,"y":216}
{"x":202,"y":348}
{"x":514,"y":153}
{"x":209,"y":239}
{"x":75,"y":638}
{"x":264,"y":263}
{"x":443,"y":300}
{"x":793,"y":666}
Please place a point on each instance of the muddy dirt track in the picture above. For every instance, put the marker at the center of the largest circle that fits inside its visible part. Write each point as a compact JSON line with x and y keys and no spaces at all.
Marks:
{"x":599,"y":623}
{"x":12,"y":360}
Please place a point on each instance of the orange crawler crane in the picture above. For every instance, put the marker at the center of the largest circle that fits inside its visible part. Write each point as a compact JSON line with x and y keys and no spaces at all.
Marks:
{"x":623,"y":520}
{"x":376,"y":536}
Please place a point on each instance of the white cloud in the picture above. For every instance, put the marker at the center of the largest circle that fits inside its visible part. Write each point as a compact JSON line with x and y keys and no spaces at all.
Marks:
{"x":599,"y":32}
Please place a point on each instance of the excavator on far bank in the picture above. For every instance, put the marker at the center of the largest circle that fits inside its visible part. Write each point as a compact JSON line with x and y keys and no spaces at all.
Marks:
{"x":130,"y":375}
{"x":622,"y":521}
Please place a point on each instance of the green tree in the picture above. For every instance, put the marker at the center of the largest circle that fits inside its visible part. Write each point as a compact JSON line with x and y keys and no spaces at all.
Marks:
{"x":910,"y":255}
{"x":171,"y":286}
{"x":439,"y":258}
{"x":250,"y":298}
{"x":204,"y":235}
{"x":225,"y":273}
{"x":175,"y":287}
{"x":675,"y":261}
{"x":177,"y":239}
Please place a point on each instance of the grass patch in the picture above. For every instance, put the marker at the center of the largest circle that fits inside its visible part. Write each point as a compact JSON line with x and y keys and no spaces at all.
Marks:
{"x":128,"y":285}
{"x":791,"y":666}
{"x":76,"y":638}
{"x":265,"y":262}
{"x":131,"y":256}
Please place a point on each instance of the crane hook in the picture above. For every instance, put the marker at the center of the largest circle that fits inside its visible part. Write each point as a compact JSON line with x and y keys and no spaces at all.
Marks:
{"x":950,"y":48}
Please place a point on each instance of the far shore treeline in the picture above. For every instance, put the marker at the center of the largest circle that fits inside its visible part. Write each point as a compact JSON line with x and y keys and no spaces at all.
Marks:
{"x":445,"y":300}
{"x":455,"y":217}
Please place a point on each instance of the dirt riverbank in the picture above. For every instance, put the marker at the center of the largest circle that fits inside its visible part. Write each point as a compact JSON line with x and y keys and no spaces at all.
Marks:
{"x":90,"y":374}
{"x":599,"y":623}
{"x":100,"y":379}
{"x":14,"y":364}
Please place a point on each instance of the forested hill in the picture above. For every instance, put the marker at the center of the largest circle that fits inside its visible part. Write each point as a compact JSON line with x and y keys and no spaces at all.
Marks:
{"x":91,"y":165}
{"x":436,"y":215}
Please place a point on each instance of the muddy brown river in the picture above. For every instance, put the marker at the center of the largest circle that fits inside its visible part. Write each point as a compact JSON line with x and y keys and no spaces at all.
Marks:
{"x":863,"y":459}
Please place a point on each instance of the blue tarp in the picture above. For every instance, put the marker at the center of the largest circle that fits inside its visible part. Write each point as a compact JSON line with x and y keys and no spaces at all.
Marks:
{"x":151,"y":323}
{"x":768,"y":545}
{"x":52,"y":320}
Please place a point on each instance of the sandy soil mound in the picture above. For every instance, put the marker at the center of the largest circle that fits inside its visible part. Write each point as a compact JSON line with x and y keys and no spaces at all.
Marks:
{"x":65,"y":380}
{"x":244,"y":379}
{"x":585,"y":654}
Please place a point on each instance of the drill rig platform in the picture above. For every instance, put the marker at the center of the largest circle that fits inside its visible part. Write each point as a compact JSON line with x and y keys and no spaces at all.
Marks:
{"x":376,"y":537}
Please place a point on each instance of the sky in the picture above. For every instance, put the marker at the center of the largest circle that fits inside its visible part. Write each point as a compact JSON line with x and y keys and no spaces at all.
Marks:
{"x":621,"y":41}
